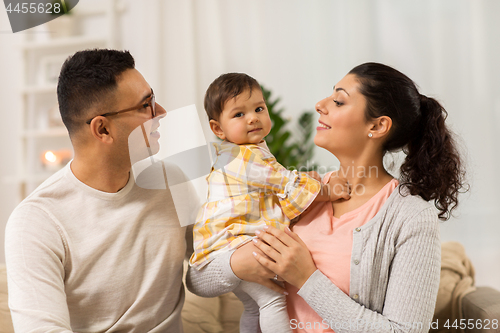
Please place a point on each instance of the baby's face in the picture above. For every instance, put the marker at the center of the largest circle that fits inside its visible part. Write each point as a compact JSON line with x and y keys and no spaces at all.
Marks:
{"x":244,"y":119}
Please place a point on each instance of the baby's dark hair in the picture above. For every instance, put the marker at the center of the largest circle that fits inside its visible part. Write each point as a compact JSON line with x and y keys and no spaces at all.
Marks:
{"x":224,"y":88}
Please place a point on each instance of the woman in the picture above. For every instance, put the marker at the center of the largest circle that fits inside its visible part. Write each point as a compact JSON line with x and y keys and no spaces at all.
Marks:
{"x":371,"y":263}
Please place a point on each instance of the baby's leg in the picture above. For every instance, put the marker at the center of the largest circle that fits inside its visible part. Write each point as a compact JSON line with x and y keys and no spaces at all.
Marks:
{"x":214,"y":279}
{"x":249,"y":321}
{"x":273,"y":314}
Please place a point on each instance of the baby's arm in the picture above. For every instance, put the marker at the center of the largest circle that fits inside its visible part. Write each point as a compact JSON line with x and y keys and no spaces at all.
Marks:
{"x":225,"y":272}
{"x":335,"y":188}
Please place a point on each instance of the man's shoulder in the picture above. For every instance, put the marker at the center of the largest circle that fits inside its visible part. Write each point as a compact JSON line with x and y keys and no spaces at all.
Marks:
{"x":39,"y":204}
{"x":48,"y":189}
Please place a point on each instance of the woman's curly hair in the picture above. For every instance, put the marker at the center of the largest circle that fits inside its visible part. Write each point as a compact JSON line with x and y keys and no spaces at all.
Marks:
{"x":432,"y":168}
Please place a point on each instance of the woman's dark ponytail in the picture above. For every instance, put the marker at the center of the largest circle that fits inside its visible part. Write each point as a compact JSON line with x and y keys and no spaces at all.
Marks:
{"x":433,"y":168}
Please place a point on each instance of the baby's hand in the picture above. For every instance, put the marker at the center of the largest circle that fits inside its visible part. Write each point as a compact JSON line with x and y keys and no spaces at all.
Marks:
{"x":314,"y":175}
{"x":338,"y":187}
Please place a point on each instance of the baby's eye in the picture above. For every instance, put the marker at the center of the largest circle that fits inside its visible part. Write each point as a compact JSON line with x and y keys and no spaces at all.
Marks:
{"x":338,"y":103}
{"x":259,"y":109}
{"x":239,"y":114}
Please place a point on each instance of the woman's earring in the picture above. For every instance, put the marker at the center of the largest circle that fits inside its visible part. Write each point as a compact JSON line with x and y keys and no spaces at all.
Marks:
{"x":370,"y":135}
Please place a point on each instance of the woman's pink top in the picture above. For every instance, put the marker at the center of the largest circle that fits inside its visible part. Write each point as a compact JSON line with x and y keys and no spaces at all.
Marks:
{"x":329,"y":239}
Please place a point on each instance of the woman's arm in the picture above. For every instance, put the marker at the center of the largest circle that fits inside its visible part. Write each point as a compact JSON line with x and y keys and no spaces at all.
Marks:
{"x":411,"y":292}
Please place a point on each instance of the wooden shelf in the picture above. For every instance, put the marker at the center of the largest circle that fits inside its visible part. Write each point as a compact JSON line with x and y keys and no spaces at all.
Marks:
{"x":63,"y":42}
{"x":29,"y":178}
{"x":47,"y":133}
{"x":99,"y":8}
{"x":45,"y":89}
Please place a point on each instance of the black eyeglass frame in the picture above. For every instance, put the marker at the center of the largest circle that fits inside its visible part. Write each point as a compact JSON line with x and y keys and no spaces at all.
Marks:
{"x":151,"y":102}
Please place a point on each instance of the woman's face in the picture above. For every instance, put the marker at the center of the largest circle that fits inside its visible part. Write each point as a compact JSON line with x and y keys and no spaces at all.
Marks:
{"x":343,"y":129}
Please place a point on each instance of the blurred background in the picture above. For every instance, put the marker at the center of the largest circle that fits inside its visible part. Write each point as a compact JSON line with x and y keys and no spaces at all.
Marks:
{"x":297,"y":49}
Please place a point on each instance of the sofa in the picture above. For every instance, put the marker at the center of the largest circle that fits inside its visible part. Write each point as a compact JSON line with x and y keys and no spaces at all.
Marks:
{"x":221,"y":314}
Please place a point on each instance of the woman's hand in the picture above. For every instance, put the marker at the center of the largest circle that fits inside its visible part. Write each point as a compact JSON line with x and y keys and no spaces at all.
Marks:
{"x":246,"y":268}
{"x":291,"y":259}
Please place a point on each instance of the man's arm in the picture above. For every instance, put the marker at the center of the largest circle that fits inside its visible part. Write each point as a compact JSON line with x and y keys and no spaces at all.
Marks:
{"x":35,"y":253}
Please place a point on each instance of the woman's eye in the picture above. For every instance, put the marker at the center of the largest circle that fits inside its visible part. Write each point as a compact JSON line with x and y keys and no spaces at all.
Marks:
{"x":145,"y":106}
{"x":240,"y":114}
{"x":338,"y":103}
{"x":260,"y":108}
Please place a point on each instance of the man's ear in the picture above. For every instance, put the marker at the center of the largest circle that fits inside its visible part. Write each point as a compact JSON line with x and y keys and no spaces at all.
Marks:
{"x":215,"y":127}
{"x":99,"y":128}
{"x":380,"y":127}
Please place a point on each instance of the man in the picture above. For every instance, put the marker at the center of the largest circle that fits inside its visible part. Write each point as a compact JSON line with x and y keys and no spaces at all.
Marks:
{"x":89,"y":250}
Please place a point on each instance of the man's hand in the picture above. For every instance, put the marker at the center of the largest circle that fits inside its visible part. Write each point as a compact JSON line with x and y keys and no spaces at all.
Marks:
{"x":246,"y":267}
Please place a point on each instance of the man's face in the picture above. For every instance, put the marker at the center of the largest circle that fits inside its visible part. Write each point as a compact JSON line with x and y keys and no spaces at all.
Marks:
{"x":135,"y":132}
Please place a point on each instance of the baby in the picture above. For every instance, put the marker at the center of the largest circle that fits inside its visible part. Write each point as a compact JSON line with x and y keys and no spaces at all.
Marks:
{"x":248,"y":189}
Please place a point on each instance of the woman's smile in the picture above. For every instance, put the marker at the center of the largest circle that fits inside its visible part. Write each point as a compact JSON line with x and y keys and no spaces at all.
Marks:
{"x":323,"y":126}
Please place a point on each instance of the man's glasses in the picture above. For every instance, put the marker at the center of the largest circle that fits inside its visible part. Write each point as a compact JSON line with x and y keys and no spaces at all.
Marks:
{"x":151,"y":103}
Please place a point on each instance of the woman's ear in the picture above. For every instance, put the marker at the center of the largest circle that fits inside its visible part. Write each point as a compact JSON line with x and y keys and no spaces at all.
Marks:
{"x":215,"y":127}
{"x":380,"y":127}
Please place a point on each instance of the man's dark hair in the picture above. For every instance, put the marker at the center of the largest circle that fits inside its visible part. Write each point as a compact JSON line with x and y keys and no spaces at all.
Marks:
{"x":86,"y":80}
{"x":224,"y":88}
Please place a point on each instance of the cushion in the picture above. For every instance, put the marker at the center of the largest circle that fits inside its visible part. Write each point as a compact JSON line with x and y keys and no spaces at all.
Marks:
{"x":482,"y":306}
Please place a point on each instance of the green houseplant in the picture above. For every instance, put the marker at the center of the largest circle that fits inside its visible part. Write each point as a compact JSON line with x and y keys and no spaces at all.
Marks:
{"x":60,"y":7}
{"x":293,"y":149}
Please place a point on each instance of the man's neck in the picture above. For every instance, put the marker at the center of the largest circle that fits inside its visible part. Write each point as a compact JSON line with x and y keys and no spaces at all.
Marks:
{"x":101,"y":175}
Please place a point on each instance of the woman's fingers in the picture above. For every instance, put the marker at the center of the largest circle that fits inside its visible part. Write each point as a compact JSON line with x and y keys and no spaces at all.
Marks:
{"x":279,"y":240}
{"x":245,"y":267}
{"x":269,"y":265}
{"x":295,"y":237}
{"x":294,"y":264}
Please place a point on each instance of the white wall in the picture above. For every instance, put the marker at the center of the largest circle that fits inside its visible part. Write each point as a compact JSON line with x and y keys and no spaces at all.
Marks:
{"x":300,"y":49}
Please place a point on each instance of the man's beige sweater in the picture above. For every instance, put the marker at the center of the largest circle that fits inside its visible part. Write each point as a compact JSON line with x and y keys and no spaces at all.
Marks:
{"x":82,"y":260}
